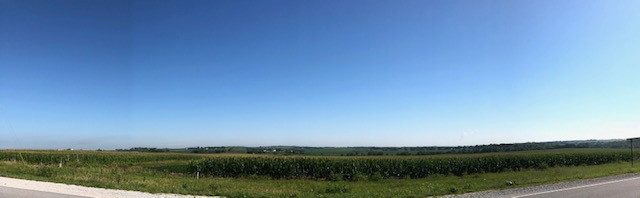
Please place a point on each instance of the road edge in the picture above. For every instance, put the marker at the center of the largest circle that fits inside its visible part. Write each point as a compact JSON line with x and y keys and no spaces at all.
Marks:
{"x":77,"y":190}
{"x":528,"y":190}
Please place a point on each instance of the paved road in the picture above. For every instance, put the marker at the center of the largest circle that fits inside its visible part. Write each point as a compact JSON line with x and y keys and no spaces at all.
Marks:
{"x":629,"y":187}
{"x":8,"y":192}
{"x":624,"y":186}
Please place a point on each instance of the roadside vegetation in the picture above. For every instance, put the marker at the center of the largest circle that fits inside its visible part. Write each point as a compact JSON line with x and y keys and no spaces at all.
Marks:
{"x":246,"y":175}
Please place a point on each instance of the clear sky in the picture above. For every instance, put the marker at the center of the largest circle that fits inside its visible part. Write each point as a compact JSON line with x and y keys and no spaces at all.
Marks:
{"x":117,"y":74}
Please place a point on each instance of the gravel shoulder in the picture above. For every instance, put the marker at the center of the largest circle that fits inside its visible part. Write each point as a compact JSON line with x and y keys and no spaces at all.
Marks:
{"x":534,"y":190}
{"x":66,"y":189}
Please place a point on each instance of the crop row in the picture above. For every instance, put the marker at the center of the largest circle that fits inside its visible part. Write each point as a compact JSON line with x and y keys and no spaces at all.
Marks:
{"x":54,"y":157}
{"x":349,"y":168}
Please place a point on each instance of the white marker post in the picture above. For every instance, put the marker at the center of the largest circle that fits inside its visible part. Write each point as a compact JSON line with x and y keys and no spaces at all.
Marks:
{"x":631,"y":144}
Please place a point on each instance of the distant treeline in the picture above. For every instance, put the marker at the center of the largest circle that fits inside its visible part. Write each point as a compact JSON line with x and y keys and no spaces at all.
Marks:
{"x":145,"y":149}
{"x":184,"y":150}
{"x":400,"y":151}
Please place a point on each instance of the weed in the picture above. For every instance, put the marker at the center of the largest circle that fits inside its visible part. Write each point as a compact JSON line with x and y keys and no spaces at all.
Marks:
{"x":44,"y":171}
{"x":336,"y":188}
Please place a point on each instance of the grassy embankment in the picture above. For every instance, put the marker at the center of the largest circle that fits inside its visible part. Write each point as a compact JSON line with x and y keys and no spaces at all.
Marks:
{"x":168,"y":173}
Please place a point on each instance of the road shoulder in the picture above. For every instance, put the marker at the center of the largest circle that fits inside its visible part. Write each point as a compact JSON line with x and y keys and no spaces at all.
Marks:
{"x":76,"y":190}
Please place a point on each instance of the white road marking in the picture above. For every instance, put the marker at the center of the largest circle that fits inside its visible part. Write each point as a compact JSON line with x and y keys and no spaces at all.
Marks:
{"x":585,"y":186}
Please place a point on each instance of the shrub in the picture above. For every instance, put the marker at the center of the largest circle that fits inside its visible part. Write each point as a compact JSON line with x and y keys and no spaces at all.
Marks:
{"x":542,"y":166}
{"x":336,"y":177}
{"x":336,"y":188}
{"x":375,"y":177}
{"x":359,"y":177}
{"x":44,"y":171}
{"x":214,"y":187}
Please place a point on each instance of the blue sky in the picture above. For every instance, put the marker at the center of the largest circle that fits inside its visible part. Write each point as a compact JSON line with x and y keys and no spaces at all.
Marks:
{"x":117,"y":74}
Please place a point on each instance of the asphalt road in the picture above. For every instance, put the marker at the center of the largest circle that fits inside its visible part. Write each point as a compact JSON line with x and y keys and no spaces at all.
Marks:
{"x":623,"y":186}
{"x":8,"y":192}
{"x":629,"y":187}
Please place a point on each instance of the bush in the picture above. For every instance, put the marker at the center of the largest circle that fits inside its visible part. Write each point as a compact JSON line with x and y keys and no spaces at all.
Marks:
{"x":542,"y":166}
{"x":375,"y":177}
{"x":336,"y":188}
{"x":44,"y":171}
{"x":214,"y":187}
{"x":336,"y":177}
{"x":359,"y":177}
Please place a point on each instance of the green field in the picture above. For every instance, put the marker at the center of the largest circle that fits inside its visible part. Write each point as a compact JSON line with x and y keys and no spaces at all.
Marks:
{"x":252,"y":175}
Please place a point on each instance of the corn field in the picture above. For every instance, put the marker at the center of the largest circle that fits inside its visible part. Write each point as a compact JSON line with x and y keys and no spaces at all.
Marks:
{"x":398,"y":167}
{"x":323,"y":168}
{"x":83,"y":157}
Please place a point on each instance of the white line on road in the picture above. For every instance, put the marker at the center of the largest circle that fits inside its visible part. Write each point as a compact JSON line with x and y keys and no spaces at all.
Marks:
{"x":585,"y":186}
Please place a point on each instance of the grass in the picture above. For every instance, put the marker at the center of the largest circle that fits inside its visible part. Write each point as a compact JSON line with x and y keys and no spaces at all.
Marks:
{"x":150,"y":177}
